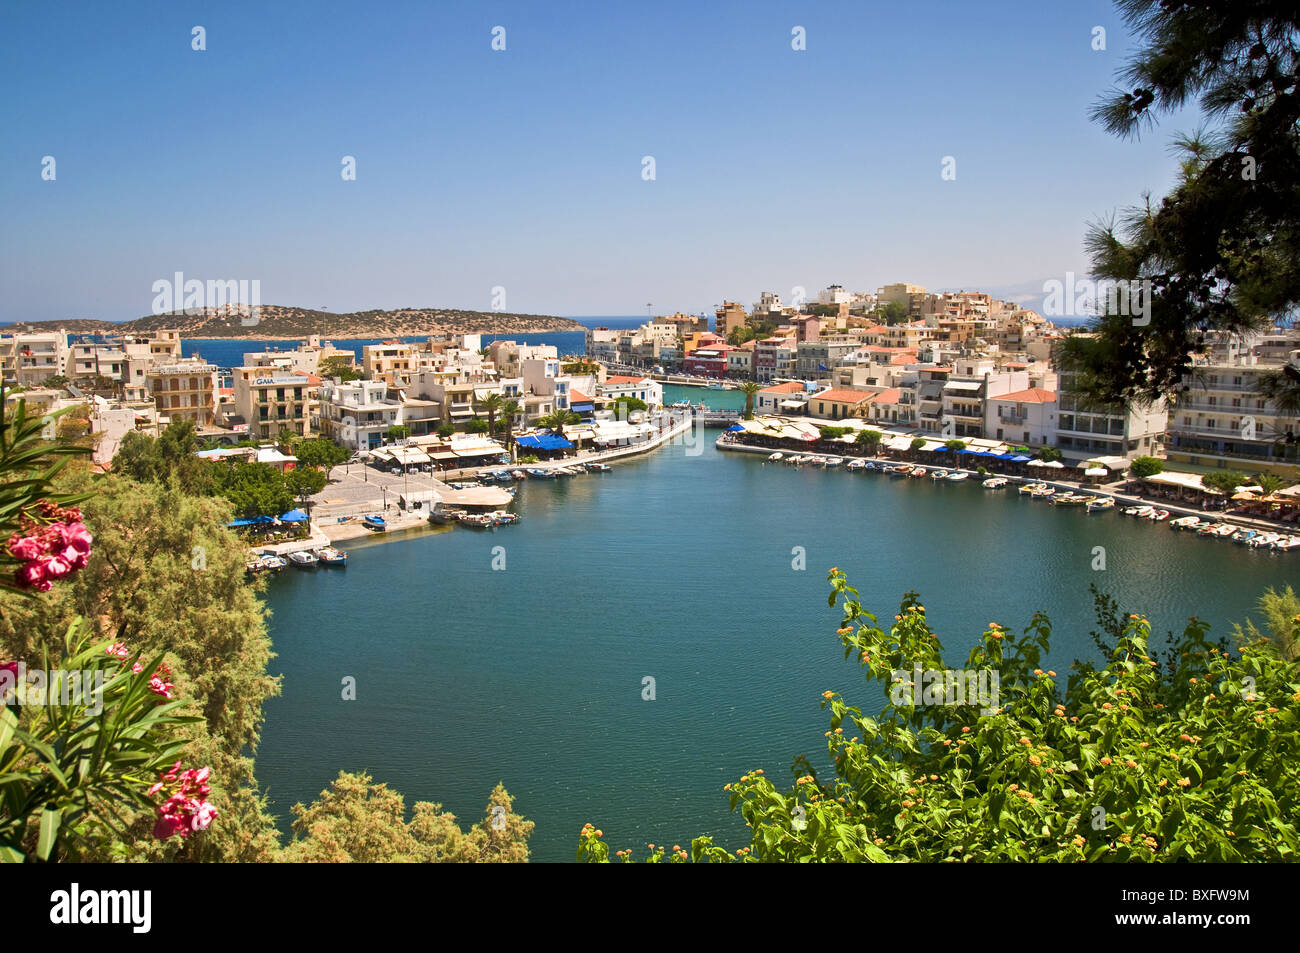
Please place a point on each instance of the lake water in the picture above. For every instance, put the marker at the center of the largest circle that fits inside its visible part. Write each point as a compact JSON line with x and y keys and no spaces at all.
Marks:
{"x":678,"y":568}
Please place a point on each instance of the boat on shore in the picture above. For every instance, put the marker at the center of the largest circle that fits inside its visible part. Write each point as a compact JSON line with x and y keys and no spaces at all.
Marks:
{"x":377,"y":523}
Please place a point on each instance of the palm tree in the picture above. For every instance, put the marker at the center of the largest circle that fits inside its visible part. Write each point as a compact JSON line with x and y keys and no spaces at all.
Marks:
{"x":749,"y":389}
{"x":509,"y":410}
{"x":492,"y":403}
{"x":556,"y":422}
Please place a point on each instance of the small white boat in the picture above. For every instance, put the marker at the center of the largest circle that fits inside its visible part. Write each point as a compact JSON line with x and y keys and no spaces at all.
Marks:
{"x":1263,"y":540}
{"x":918,"y":472}
{"x":1029,"y":489}
{"x":329,"y":556}
{"x":1287,"y":543}
{"x":1224,"y":531}
{"x":833,"y":461}
{"x":995,"y":483}
{"x":856,"y":464}
{"x":956,"y":476}
{"x":304,"y":559}
{"x":1159,"y":516}
{"x":1185,"y":522}
{"x":776,"y":458}
{"x":1141,"y":512}
{"x":1100,"y":504}
{"x":938,"y":474}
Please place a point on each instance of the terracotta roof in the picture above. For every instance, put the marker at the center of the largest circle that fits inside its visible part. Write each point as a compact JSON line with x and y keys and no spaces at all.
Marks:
{"x":1035,"y":395}
{"x":578,"y":397}
{"x":793,"y":387}
{"x":843,"y":396}
{"x":889,"y":396}
{"x":907,"y":357}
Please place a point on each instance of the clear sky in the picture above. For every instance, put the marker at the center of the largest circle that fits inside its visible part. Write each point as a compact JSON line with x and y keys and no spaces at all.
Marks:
{"x":522,"y":168}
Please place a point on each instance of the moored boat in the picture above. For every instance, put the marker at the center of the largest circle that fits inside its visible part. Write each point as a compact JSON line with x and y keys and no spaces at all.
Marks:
{"x":503,"y":517}
{"x":1185,"y":522}
{"x":1100,"y":504}
{"x":917,"y":472}
{"x":1029,"y":489}
{"x":304,"y":559}
{"x":956,"y":476}
{"x":329,"y":556}
{"x":938,"y":474}
{"x":272,"y":563}
{"x":995,"y":483}
{"x":776,"y":458}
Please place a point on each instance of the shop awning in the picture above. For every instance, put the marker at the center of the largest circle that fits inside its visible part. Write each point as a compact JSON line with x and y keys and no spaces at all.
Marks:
{"x":544,"y":441}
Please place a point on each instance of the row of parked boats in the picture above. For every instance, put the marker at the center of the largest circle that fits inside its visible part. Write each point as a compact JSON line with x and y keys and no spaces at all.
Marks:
{"x":454,"y":514}
{"x":271,"y":561}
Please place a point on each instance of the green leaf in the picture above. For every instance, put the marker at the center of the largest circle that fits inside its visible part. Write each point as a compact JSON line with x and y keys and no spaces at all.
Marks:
{"x":50,"y":820}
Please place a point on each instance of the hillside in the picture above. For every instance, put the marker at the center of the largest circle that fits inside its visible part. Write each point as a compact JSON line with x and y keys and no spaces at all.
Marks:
{"x":279,"y":321}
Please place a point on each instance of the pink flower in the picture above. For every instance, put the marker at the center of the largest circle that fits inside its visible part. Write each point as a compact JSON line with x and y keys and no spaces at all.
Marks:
{"x":26,"y":548}
{"x":159,"y":687}
{"x":56,"y":567}
{"x":117,"y":650}
{"x":169,"y":824}
{"x":203,"y":816}
{"x":32,"y":576}
{"x":137,"y":668}
{"x":155,"y":789}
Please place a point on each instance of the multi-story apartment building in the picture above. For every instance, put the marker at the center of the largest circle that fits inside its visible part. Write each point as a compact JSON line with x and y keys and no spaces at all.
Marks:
{"x":727,"y":318}
{"x":815,"y":360}
{"x":270,"y":400}
{"x":185,"y":390}
{"x":740,"y":361}
{"x":1085,"y":430}
{"x":391,"y":362}
{"x":1222,"y":417}
{"x":642,"y":388}
{"x":911,"y":296}
{"x":1022,"y":417}
{"x":602,"y":345}
{"x":29,"y":357}
{"x":357,"y":414}
{"x":306,"y":358}
{"x":775,"y":357}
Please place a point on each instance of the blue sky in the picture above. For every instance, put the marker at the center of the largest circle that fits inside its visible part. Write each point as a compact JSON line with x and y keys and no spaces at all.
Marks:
{"x":522,"y":168}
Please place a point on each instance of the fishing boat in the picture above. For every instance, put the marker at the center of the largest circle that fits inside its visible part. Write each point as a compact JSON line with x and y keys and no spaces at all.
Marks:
{"x":518,"y":475}
{"x":1208,"y":528}
{"x":902,"y":470}
{"x":329,"y":556}
{"x":476,"y":520}
{"x":253,"y":564}
{"x":1139,"y":511}
{"x":1158,"y":516}
{"x":600,"y":467}
{"x":304,"y":559}
{"x":833,"y":462}
{"x":817,"y":461}
{"x":1185,"y":522}
{"x":938,"y":474}
{"x":1070,"y":499}
{"x":714,"y":385}
{"x":1029,"y":489}
{"x":956,"y":476}
{"x":1264,"y":540}
{"x":1044,"y":492}
{"x":871,"y":466}
{"x":776,"y":458}
{"x":917,"y":473}
{"x":1225,"y":531}
{"x":375,"y":523}
{"x":995,"y":483}
{"x":503,"y":517}
{"x":538,"y":473}
{"x":1243,"y":536}
{"x":270,"y":562}
{"x":1287,"y":543}
{"x":1100,"y":504}
{"x":445,"y":514}
{"x":856,"y":464}
{"x":502,"y":476}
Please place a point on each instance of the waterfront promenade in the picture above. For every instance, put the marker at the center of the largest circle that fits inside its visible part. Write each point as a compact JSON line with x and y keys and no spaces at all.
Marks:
{"x":361,"y":489}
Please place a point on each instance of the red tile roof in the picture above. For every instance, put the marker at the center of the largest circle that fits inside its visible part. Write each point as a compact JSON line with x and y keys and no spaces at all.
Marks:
{"x":844,"y":396}
{"x":888,"y":396}
{"x":1035,"y":395}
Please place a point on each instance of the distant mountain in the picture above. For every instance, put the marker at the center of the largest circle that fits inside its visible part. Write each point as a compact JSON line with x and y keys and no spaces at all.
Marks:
{"x":277,"y":321}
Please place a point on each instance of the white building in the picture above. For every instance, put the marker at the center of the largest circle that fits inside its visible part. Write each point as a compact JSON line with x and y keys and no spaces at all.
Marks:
{"x":357,"y":414}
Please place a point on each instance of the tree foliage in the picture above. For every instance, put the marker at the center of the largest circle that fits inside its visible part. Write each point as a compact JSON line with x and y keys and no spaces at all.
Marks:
{"x":1142,"y":467}
{"x":1132,"y":761}
{"x":1222,"y":250}
{"x":358,"y":821}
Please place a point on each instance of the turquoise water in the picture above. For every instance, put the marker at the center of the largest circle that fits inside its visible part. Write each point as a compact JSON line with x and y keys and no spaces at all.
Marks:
{"x":678,"y":568}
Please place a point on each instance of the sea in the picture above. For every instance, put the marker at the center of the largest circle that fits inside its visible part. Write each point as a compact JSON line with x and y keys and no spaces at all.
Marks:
{"x":645,"y":636}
